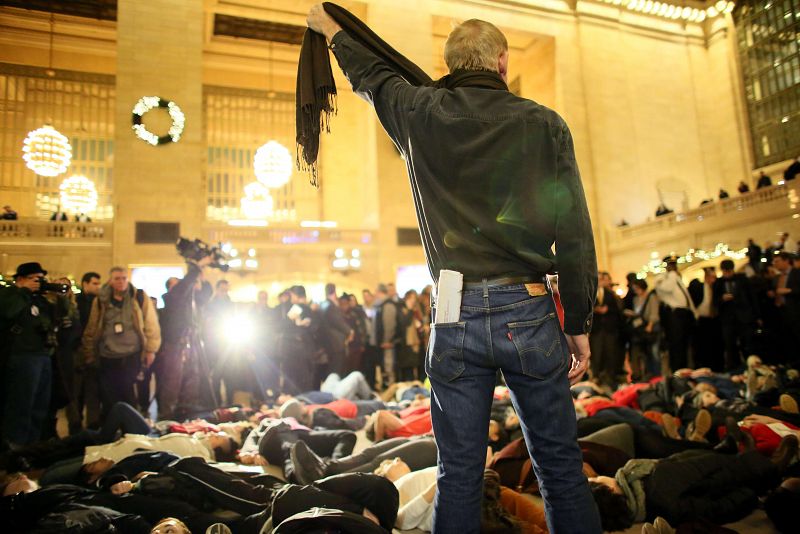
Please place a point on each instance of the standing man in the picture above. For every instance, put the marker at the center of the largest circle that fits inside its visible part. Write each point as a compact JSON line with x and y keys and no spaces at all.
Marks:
{"x":738,"y":313}
{"x":122,"y":335}
{"x":177,"y":372}
{"x":387,"y":335}
{"x":787,"y":300}
{"x":707,"y":333}
{"x":28,"y":325}
{"x":607,"y":351}
{"x":678,"y":314}
{"x":495,"y":186}
{"x":219,"y":308}
{"x":86,"y":390}
{"x":336,"y":332}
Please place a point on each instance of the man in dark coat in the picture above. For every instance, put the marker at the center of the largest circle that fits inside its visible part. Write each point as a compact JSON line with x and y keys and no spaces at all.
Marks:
{"x":738,"y":312}
{"x":336,"y":332}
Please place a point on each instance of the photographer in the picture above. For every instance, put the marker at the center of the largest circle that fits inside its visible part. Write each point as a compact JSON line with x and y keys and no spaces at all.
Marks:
{"x":29,"y":322}
{"x":176,"y":368}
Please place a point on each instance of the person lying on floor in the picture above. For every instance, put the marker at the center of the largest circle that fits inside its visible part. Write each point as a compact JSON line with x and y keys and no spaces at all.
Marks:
{"x":412,"y":421}
{"x":123,"y":427}
{"x":271,"y":442}
{"x":418,"y":453}
{"x":340,"y":414}
{"x":405,"y":391}
{"x":688,"y":486}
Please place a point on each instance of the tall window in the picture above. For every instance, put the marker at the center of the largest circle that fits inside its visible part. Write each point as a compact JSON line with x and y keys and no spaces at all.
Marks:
{"x":237,"y":123}
{"x":768,"y":38}
{"x":80,"y":106}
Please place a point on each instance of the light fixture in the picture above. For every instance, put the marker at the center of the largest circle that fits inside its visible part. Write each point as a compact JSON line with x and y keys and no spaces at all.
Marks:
{"x":272,"y":164}
{"x":46,"y":151}
{"x":318,"y":224}
{"x":78,"y":194}
{"x":671,"y":11}
{"x":343,"y":262}
{"x":256,"y":202}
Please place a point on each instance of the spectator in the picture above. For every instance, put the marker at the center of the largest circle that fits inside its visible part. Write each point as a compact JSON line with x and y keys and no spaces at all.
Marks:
{"x":662,"y":210}
{"x":743,"y":187}
{"x":122,"y":335}
{"x":738,"y":313}
{"x":8,"y":213}
{"x":754,"y":253}
{"x":786,"y":293}
{"x":707,"y":333}
{"x":763,"y":181}
{"x":59,"y":215}
{"x":792,"y":170}
{"x":387,"y":335}
{"x":408,"y":352}
{"x":86,"y":392}
{"x":27,"y":340}
{"x":336,"y":333}
{"x":82,"y":218}
{"x":219,"y":308}
{"x":643,"y":322}
{"x":723,"y":194}
{"x":604,"y":340}
{"x":177,"y":372}
{"x":357,"y":320}
{"x":677,"y":313}
{"x":298,"y":363}
{"x":622,"y":223}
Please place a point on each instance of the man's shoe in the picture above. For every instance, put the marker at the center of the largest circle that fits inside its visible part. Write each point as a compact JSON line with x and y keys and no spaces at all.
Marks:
{"x":308,"y":467}
{"x":219,"y":528}
{"x":662,"y":527}
{"x":648,"y":528}
{"x":785,"y":453}
{"x":702,"y":424}
{"x":670,"y":426}
{"x":788,"y":404}
{"x":728,"y":445}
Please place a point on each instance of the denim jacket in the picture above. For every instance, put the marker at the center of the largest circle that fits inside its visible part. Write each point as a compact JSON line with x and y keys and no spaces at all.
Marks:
{"x":493,"y":176}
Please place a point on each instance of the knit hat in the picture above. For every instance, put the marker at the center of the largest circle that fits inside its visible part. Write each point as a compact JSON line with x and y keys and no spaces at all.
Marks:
{"x":292,"y":408}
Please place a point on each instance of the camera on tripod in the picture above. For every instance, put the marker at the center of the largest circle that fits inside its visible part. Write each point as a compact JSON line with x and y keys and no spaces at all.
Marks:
{"x":45,"y":286}
{"x":197,"y":250}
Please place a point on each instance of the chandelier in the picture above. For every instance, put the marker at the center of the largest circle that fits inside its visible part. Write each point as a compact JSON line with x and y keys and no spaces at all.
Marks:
{"x":273,"y":164}
{"x":256,"y":202}
{"x":46,"y":151}
{"x":78,"y":194}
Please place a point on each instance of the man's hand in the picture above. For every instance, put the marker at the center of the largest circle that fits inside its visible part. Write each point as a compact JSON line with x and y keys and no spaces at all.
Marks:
{"x":579,"y":348}
{"x":321,"y":22}
{"x":205,"y":261}
{"x":121,"y":488}
{"x":149,"y":358}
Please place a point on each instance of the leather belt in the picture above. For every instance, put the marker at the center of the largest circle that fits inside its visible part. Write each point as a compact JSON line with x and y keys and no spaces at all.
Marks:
{"x":505,"y":281}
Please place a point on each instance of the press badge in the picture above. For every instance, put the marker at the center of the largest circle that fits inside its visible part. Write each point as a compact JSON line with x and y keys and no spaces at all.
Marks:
{"x":35,"y":310}
{"x":118,"y":329}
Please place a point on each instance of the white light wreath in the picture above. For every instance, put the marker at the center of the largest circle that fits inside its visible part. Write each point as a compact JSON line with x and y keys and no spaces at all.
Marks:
{"x":145,"y":104}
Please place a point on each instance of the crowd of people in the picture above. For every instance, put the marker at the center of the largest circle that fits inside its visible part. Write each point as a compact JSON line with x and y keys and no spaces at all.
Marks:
{"x":677,"y":418}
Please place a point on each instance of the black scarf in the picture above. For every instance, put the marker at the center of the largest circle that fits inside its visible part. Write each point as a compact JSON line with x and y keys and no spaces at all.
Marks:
{"x":316,"y":89}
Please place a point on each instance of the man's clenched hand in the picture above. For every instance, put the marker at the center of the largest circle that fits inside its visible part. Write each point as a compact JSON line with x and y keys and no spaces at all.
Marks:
{"x":579,"y":349}
{"x":321,"y":22}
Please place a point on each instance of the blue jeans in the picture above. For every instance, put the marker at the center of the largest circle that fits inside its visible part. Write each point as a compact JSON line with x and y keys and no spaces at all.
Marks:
{"x":27,"y":388}
{"x":352,"y":387}
{"x":505,"y":328}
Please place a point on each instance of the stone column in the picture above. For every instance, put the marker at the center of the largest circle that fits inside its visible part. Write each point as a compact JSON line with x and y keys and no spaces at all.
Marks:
{"x":159,"y":53}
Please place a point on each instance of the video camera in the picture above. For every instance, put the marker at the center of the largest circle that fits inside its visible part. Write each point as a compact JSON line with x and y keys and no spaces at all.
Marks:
{"x":197,"y":250}
{"x":45,"y":286}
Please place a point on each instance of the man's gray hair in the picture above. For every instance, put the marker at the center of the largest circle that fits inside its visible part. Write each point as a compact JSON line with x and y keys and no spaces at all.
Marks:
{"x":474,"y":45}
{"x":117,"y":269}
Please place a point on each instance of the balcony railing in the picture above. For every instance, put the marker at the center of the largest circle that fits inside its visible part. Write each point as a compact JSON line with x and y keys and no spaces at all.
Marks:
{"x":33,"y":230}
{"x":783,"y":194}
{"x":289,"y":236}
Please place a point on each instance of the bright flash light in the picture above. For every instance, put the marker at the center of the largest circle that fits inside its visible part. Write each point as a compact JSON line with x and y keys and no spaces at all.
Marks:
{"x":238,"y":329}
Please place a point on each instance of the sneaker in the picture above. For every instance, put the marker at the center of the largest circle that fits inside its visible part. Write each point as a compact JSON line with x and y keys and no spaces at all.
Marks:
{"x":662,"y":527}
{"x":788,"y":404}
{"x":702,"y":424}
{"x":219,"y":528}
{"x":308,"y":467}
{"x":744,"y":440}
{"x":670,"y":425}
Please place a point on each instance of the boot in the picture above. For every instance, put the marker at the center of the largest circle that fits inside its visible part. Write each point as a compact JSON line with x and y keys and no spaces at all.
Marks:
{"x":308,"y":467}
{"x":785,"y":453}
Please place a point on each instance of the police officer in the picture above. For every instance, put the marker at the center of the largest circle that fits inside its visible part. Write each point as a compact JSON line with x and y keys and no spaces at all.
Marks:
{"x":28,"y":326}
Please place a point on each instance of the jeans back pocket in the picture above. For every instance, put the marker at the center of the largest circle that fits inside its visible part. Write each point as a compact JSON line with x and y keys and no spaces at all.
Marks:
{"x":445,"y":358}
{"x":538,"y":344}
